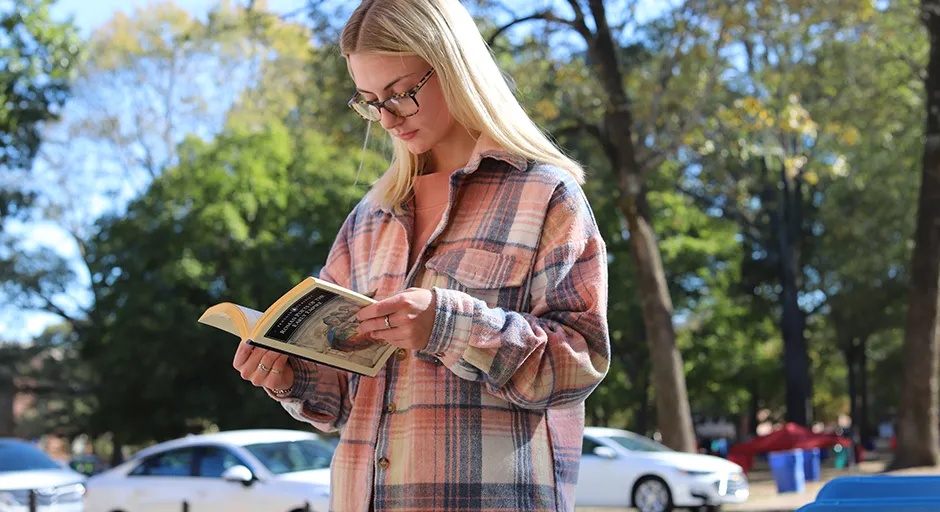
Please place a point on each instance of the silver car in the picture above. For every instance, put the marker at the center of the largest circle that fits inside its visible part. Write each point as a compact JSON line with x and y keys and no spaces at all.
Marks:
{"x":30,"y":480}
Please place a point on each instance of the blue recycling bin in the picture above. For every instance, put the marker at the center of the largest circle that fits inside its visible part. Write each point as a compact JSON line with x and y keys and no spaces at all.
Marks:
{"x":811,"y":464}
{"x":788,"y":470}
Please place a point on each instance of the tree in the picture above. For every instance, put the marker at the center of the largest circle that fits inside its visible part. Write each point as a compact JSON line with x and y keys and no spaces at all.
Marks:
{"x":690,"y":47}
{"x":240,"y":219}
{"x":57,"y":382}
{"x":918,"y":432}
{"x":768,"y":150}
{"x":40,"y":57}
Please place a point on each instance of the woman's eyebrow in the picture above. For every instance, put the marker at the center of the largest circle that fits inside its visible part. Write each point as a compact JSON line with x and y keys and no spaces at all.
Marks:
{"x":389,"y":86}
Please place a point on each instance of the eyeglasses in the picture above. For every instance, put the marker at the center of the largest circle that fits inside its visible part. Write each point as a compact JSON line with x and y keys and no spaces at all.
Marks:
{"x":401,"y":105}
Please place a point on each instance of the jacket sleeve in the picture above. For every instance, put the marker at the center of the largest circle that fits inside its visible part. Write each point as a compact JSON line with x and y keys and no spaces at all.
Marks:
{"x":321,"y":395}
{"x":556,"y":354}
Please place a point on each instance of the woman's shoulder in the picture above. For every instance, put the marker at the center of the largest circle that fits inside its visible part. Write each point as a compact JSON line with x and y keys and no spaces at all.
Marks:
{"x":365,"y":212}
{"x":552,"y":179}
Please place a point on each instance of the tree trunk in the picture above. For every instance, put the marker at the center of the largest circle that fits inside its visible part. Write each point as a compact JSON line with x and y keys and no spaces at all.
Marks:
{"x":117,"y":451}
{"x":849,"y":351}
{"x":918,"y":442}
{"x":754,"y":409}
{"x":796,"y":358}
{"x":643,"y":413}
{"x":7,"y":421}
{"x":674,"y":416}
{"x":864,"y":422}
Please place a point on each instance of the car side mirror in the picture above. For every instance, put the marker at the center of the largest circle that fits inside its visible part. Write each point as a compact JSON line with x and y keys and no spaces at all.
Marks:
{"x":239,"y":474}
{"x":605,"y":452}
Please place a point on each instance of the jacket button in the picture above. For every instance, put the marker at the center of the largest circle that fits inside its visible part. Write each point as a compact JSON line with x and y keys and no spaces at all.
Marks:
{"x":391,"y":407}
{"x":401,"y":354}
{"x":383,"y":463}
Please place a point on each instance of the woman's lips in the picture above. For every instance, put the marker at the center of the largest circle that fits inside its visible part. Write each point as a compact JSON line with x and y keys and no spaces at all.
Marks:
{"x":408,"y":135}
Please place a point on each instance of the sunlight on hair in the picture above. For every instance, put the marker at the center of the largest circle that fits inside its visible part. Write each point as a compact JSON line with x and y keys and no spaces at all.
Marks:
{"x":443,"y":34}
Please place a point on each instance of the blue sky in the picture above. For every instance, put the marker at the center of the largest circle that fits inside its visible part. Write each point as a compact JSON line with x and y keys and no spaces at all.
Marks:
{"x":21,"y":326}
{"x":88,"y":17}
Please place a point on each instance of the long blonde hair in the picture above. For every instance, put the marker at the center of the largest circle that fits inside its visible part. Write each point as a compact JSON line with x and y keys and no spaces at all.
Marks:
{"x":444,"y":34}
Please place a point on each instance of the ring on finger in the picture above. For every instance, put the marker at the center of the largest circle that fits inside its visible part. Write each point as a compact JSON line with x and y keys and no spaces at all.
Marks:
{"x":275,"y":372}
{"x":263,"y":368}
{"x":388,"y":324}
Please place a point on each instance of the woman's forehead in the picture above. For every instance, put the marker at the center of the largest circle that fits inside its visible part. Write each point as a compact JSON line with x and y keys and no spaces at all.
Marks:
{"x":373,"y":72}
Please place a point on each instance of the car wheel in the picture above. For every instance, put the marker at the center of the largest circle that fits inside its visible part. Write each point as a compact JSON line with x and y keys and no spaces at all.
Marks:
{"x":651,"y":494}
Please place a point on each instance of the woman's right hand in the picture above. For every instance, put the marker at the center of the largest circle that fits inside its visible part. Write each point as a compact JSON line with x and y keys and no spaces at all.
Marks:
{"x":276,"y":375}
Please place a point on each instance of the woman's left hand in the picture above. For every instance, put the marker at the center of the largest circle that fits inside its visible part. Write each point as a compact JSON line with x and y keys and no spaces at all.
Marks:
{"x":409,"y":313}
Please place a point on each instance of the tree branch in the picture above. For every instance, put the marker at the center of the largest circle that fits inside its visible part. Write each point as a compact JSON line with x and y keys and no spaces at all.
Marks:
{"x":581,"y":125}
{"x":747,"y":227}
{"x":547,"y":16}
{"x":579,"y":24}
{"x":50,"y":307}
{"x":657,"y":158}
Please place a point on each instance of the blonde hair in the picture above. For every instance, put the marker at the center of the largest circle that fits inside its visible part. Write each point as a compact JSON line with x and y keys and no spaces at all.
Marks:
{"x":443,"y":34}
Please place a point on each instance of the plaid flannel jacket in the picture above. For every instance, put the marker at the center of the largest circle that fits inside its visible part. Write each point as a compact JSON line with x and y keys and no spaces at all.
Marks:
{"x":490,"y":415}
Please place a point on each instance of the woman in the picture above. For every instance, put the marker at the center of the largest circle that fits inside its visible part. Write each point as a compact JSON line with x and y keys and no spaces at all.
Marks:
{"x":491,"y":278}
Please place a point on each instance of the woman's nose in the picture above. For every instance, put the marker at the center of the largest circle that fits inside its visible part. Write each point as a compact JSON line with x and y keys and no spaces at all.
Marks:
{"x":389,"y":120}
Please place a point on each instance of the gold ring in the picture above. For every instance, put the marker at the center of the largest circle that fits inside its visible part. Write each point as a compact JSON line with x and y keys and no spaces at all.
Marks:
{"x":387,"y":324}
{"x":275,"y":372}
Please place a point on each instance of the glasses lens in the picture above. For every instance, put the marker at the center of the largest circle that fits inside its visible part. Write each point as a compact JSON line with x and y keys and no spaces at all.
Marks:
{"x":402,"y":107}
{"x":367,"y":111}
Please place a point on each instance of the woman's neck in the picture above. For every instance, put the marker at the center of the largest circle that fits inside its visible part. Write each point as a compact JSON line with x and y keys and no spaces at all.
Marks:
{"x":453,"y":152}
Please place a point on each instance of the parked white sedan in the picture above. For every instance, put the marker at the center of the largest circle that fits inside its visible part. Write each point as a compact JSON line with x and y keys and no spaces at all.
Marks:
{"x":29,"y":480}
{"x":236,"y":471}
{"x":620,"y":468}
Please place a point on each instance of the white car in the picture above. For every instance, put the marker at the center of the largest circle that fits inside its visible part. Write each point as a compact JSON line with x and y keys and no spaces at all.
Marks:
{"x":623,"y":469}
{"x":235,"y":471}
{"x":29,"y":477}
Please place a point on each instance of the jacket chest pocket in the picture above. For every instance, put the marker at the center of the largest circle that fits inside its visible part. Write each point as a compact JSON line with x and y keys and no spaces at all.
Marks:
{"x":495,"y":278}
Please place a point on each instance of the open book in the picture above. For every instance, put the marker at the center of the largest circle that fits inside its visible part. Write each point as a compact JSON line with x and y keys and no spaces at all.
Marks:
{"x":315,"y":321}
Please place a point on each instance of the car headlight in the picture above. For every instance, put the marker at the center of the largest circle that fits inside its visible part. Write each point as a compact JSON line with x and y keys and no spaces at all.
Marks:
{"x":69,"y":493}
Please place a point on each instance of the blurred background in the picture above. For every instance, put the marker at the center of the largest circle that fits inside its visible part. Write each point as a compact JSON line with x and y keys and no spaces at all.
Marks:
{"x":755,"y":167}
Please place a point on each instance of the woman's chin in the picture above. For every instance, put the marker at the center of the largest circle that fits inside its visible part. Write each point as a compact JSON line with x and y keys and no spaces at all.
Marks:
{"x":416,"y":147}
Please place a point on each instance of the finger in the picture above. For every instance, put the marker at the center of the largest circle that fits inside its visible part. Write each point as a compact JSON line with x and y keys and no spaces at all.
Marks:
{"x":280,"y":363}
{"x":395,"y":335}
{"x":258,"y":376}
{"x":378,"y":324}
{"x":268,"y":361}
{"x":383,"y":307}
{"x":250,"y":367}
{"x":241,"y":354}
{"x":281,"y":375}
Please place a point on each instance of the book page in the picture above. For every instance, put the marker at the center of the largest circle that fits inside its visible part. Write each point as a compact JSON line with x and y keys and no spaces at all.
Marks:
{"x":251,"y":316}
{"x":321,"y":325}
{"x":228,"y":317}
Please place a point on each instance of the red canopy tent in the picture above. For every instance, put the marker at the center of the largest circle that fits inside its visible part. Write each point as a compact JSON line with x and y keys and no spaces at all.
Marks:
{"x":790,"y":437}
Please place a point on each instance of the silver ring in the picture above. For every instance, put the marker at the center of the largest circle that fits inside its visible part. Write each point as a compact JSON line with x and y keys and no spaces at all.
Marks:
{"x":275,"y":372}
{"x":387,"y":324}
{"x":262,"y":367}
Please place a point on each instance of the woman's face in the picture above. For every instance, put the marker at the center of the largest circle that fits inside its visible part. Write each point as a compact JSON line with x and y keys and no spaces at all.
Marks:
{"x":379,"y":77}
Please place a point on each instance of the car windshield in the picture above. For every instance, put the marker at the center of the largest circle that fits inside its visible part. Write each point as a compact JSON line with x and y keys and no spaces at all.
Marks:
{"x":638,"y":444}
{"x":292,"y":456}
{"x":20,"y":456}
